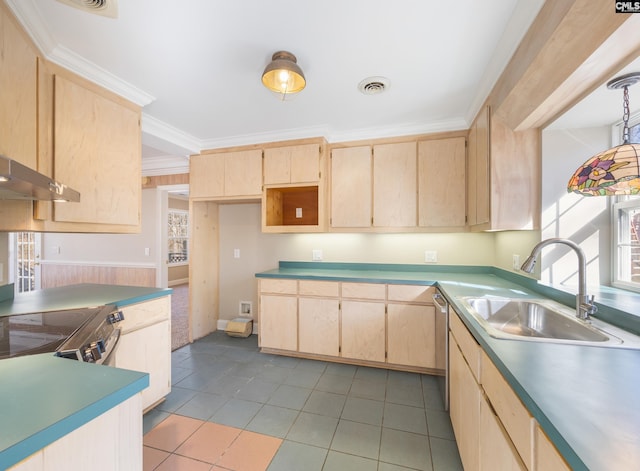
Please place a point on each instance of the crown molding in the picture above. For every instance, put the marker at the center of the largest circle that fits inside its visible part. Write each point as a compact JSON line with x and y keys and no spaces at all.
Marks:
{"x":164,"y":165}
{"x":36,"y":27}
{"x":407,"y":129}
{"x":158,"y":134}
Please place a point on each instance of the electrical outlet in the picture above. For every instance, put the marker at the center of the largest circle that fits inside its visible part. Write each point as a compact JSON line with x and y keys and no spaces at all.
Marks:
{"x":316,"y":255}
{"x":236,"y":253}
{"x":430,"y":256}
{"x":516,"y":262}
{"x":298,"y":213}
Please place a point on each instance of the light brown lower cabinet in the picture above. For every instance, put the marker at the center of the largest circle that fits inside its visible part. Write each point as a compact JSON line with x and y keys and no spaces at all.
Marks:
{"x":319,"y":326}
{"x":496,"y":449}
{"x":375,"y":324}
{"x":363,"y":330}
{"x":464,"y":407}
{"x":546,"y":455}
{"x":411,"y":336}
{"x":279,"y":322}
{"x":493,"y":429}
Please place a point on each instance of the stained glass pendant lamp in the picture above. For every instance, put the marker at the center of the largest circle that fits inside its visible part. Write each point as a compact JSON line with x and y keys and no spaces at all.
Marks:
{"x":283,"y":75}
{"x":615,"y":171}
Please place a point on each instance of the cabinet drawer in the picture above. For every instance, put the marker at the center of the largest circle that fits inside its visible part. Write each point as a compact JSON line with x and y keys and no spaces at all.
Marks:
{"x":512,"y":413}
{"x":318,"y":288}
{"x":411,"y":293}
{"x":278,"y":285}
{"x":363,"y":290}
{"x":144,"y":314}
{"x":467,"y":343}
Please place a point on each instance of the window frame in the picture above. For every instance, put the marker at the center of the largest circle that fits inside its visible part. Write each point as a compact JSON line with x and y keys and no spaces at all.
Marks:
{"x":622,"y":204}
{"x":170,"y":238}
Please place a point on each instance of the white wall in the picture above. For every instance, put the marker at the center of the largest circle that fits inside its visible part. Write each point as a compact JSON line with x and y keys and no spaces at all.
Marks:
{"x":585,"y":220}
{"x":108,"y":249}
{"x":240,"y":229}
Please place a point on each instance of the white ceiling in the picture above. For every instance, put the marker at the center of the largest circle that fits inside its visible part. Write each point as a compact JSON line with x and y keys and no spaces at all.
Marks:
{"x":195,"y":65}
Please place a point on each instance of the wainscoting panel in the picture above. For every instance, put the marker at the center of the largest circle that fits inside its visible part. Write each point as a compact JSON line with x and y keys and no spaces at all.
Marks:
{"x":58,"y":274}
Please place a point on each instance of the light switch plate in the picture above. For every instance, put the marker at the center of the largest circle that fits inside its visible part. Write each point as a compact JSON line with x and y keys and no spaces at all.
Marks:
{"x":316,"y":255}
{"x":430,"y":256}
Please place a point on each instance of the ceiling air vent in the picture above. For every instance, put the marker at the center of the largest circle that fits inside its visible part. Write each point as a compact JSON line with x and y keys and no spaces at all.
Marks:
{"x":99,"y":7}
{"x":373,"y":85}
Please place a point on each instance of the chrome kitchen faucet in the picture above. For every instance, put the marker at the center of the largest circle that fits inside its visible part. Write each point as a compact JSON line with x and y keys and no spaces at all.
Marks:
{"x":584,"y":305}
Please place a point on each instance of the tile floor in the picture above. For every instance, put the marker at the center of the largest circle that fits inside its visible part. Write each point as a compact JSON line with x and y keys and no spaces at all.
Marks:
{"x":234,"y":408}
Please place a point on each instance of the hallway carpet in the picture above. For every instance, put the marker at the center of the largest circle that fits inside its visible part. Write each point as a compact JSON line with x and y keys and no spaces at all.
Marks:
{"x":179,"y":316}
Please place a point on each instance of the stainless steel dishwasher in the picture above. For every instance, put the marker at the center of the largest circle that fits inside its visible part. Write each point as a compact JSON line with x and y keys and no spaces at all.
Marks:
{"x":443,"y":307}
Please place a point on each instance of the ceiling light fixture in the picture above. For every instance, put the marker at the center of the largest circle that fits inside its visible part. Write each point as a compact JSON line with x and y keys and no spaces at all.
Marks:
{"x":283,"y":75}
{"x":615,"y":171}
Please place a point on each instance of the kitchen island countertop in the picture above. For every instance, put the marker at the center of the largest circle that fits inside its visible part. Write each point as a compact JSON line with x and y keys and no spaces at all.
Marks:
{"x":44,"y":397}
{"x":79,"y":296}
{"x":585,"y":398}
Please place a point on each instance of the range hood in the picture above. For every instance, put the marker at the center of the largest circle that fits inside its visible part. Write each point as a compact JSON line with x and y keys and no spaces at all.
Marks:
{"x":18,"y":182}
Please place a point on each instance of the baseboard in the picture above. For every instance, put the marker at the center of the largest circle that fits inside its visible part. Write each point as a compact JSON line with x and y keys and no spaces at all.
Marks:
{"x":222,"y":325}
{"x":180,"y":281}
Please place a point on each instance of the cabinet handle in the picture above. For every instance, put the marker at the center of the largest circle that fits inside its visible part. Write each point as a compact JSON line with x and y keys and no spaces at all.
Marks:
{"x":440,"y":301}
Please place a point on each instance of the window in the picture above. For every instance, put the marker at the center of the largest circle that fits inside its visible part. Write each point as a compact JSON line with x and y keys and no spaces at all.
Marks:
{"x":178,"y":240}
{"x":26,"y":257}
{"x":626,"y":233}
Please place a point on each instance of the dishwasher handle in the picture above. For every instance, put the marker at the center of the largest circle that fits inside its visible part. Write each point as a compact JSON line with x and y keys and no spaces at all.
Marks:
{"x":440,"y":301}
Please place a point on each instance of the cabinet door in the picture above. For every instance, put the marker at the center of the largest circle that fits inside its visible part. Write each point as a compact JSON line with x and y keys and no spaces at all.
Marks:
{"x":363,"y":330}
{"x":351,"y":183}
{"x":149,"y":350}
{"x":18,"y":83}
{"x":547,"y":456}
{"x":441,"y":182}
{"x":479,"y":185}
{"x":411,"y":336}
{"x":319,"y":330}
{"x":496,"y":449}
{"x":292,"y":164}
{"x":97,"y":151}
{"x":394,"y":185}
{"x":279,"y":322}
{"x":464,"y":407}
{"x":243,"y":173}
{"x":206,"y":176}
{"x":514,"y":416}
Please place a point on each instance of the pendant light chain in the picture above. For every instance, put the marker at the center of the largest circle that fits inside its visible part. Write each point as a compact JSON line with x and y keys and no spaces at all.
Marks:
{"x":625,"y":116}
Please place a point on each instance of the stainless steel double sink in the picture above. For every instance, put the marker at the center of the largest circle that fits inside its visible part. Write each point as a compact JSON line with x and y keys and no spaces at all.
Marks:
{"x":543,"y":320}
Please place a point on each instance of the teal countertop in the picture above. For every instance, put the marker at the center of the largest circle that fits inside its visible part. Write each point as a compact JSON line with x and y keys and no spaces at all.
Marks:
{"x":585,"y":398}
{"x":43,"y":398}
{"x":78,"y":296}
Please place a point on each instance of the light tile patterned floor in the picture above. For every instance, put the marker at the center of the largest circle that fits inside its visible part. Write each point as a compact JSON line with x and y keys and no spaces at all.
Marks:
{"x":234,"y":408}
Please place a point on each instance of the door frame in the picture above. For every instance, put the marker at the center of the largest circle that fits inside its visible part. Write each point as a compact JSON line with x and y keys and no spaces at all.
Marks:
{"x":162,"y":210}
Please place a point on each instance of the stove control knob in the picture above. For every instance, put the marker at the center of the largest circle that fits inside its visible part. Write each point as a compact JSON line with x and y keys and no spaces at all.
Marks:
{"x":92,"y":352}
{"x":115,"y":317}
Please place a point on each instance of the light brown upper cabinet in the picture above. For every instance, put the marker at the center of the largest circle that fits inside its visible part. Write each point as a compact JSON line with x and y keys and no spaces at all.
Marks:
{"x":394,"y":185}
{"x":478,"y":182}
{"x":97,"y":151}
{"x":226,"y":175}
{"x":18,"y":99}
{"x":294,"y":197}
{"x":441,"y":182}
{"x":351,"y":183}
{"x":292,"y":164}
{"x":504,"y":166}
